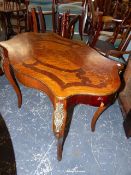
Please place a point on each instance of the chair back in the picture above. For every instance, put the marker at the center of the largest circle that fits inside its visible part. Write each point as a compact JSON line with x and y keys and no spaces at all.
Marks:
{"x":82,"y":2}
{"x":68,"y":25}
{"x":126,"y":38}
{"x":124,"y":30}
{"x":46,"y":5}
{"x":38,"y":23}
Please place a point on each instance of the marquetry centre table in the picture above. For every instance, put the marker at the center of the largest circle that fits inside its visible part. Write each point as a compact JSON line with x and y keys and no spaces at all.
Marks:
{"x":69,"y":72}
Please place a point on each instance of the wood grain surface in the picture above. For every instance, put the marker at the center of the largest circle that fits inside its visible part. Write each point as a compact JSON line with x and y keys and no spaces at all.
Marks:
{"x":67,"y":67}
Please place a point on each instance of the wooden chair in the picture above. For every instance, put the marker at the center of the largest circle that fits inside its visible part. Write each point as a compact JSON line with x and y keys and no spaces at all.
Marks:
{"x":37,"y":20}
{"x":15,"y":16}
{"x":68,"y":25}
{"x":48,"y":8}
{"x":75,"y":8}
{"x":95,"y":14}
{"x":105,"y":19}
{"x":109,"y":47}
{"x":108,"y":7}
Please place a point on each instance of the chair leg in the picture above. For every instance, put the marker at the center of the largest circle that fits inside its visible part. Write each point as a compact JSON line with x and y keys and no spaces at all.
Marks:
{"x":29,"y":22}
{"x":18,"y":26}
{"x":97,"y":114}
{"x":81,"y":27}
{"x":54,"y":21}
{"x":59,"y":24}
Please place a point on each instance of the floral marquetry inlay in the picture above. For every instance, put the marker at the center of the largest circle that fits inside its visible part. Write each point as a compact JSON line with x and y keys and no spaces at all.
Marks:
{"x":58,"y":116}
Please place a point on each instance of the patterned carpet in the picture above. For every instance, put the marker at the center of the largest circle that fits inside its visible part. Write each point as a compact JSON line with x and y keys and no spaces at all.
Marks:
{"x":28,"y":146}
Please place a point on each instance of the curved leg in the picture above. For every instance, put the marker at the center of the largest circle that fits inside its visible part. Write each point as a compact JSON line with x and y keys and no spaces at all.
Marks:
{"x":59,"y":123}
{"x":10,"y":76}
{"x":97,"y":114}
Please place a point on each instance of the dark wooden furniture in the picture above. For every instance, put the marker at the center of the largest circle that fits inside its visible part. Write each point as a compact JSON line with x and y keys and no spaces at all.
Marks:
{"x":120,"y":27}
{"x":18,"y":15}
{"x":69,"y":72}
{"x":2,"y":27}
{"x":125,"y":99}
{"x":121,"y":35}
{"x":105,"y":22}
{"x":48,"y":7}
{"x":74,"y":7}
{"x":67,"y":23}
{"x":14,"y":15}
{"x":38,"y":20}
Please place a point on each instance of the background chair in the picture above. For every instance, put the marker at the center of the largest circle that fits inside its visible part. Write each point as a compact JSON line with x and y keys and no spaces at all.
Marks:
{"x":115,"y":53}
{"x":15,"y":16}
{"x":111,"y":15}
{"x":75,"y":8}
{"x":37,"y":20}
{"x":118,"y":40}
{"x":67,"y":26}
{"x":48,"y":8}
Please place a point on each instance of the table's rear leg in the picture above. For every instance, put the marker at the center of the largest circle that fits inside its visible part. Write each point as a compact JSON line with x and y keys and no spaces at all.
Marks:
{"x":10,"y":76}
{"x":97,"y":114}
{"x":59,"y":123}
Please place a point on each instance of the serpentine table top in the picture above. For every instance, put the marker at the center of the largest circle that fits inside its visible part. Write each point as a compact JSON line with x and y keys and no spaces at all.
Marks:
{"x":69,"y":72}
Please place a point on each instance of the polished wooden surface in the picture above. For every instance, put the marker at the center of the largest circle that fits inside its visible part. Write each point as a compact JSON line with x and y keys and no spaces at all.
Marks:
{"x":69,"y":72}
{"x":69,"y":67}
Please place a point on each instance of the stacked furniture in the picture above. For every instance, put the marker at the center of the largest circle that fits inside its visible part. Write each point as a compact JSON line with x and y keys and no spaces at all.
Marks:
{"x":125,"y":99}
{"x":77,"y":7}
{"x":57,"y":9}
{"x":67,"y":26}
{"x":13,"y":15}
{"x":48,"y":8}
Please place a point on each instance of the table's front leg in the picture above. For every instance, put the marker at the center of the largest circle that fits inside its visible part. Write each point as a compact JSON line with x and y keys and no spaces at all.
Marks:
{"x":59,"y":123}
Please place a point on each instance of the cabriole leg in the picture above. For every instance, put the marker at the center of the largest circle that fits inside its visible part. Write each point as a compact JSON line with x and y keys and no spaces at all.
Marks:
{"x":59,"y":123}
{"x":10,"y":74}
{"x":97,"y":114}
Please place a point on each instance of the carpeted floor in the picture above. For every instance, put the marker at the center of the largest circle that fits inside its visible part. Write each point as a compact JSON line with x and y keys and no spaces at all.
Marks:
{"x":33,"y":149}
